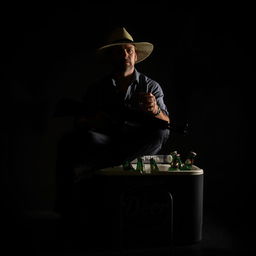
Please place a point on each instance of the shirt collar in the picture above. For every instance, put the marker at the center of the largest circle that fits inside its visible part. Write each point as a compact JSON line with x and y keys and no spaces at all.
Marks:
{"x":136,"y":76}
{"x":135,"y":79}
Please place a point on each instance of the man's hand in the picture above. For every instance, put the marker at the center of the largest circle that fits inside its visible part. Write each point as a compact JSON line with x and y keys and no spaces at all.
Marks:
{"x":147,"y":103}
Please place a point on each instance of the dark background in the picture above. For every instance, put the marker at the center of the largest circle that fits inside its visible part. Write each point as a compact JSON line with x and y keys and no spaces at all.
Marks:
{"x":202,"y":59}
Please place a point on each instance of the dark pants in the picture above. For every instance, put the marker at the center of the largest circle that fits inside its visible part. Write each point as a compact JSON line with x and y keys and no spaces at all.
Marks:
{"x":92,"y":150}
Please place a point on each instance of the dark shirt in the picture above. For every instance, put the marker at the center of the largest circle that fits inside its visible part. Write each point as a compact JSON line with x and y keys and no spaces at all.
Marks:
{"x":104,"y":96}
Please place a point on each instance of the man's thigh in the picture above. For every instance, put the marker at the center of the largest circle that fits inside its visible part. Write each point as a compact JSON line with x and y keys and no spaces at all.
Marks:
{"x":132,"y":144}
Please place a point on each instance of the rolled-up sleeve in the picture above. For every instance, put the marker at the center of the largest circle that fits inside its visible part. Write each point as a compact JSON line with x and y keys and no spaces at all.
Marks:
{"x":156,"y":90}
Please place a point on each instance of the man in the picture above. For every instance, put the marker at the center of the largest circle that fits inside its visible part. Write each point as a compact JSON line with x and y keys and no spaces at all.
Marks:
{"x":122,"y":117}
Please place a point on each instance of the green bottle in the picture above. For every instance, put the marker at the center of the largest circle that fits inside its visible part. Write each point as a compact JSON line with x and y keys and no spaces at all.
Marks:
{"x":140,"y":165}
{"x":153,"y":166}
{"x":127,"y":166}
{"x":190,"y":161}
{"x":179,"y":163}
{"x":174,"y":163}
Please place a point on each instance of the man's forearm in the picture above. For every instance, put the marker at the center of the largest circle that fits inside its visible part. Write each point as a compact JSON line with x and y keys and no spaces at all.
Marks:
{"x":163,"y":116}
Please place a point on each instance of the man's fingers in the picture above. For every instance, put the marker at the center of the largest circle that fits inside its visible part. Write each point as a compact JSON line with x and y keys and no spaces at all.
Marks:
{"x":147,"y":102}
{"x":150,"y":104}
{"x":149,"y":98}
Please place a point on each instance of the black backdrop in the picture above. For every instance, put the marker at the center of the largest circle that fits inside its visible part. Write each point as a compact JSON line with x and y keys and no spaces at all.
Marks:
{"x":202,"y":59}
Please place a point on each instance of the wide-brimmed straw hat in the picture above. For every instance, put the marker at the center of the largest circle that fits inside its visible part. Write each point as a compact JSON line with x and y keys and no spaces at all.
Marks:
{"x":120,"y":36}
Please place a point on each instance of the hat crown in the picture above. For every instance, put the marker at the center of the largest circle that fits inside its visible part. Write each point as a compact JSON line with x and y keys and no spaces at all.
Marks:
{"x":120,"y":34}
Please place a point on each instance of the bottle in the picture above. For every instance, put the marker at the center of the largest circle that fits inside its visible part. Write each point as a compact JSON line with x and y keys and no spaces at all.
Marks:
{"x":153,"y":166}
{"x":127,"y":166}
{"x":140,"y":165}
{"x":174,"y":163}
{"x":190,"y":161}
{"x":179,"y":163}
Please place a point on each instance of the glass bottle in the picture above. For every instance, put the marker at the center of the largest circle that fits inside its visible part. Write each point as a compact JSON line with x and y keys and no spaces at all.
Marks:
{"x":190,"y":160}
{"x":174,"y":163}
{"x":153,"y":166}
{"x":179,"y":163}
{"x":140,"y":165}
{"x":127,"y":166}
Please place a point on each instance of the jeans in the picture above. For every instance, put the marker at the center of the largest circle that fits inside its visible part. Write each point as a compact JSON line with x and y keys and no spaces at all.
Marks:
{"x":92,"y":150}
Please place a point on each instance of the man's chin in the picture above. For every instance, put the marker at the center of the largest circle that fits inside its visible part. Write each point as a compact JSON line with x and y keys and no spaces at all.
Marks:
{"x":124,"y":67}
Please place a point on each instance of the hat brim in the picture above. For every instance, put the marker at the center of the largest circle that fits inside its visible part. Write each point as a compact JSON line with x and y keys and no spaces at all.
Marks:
{"x":143,"y":49}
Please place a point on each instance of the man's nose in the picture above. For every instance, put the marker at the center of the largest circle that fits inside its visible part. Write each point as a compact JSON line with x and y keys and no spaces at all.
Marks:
{"x":124,"y":53}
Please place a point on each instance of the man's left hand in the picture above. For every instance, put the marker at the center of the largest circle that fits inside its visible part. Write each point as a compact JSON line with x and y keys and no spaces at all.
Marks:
{"x":147,"y":103}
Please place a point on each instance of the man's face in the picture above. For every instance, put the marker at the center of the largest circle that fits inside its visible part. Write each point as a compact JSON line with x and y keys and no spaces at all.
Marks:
{"x":123,"y":57}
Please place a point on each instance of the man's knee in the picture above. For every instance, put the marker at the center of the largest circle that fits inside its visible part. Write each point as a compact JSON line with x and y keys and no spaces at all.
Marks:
{"x":152,"y":141}
{"x":96,"y":138}
{"x":161,"y":135}
{"x":158,"y":139}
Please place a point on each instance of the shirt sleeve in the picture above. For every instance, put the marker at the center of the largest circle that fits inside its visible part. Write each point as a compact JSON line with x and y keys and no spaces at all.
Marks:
{"x":157,"y":91}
